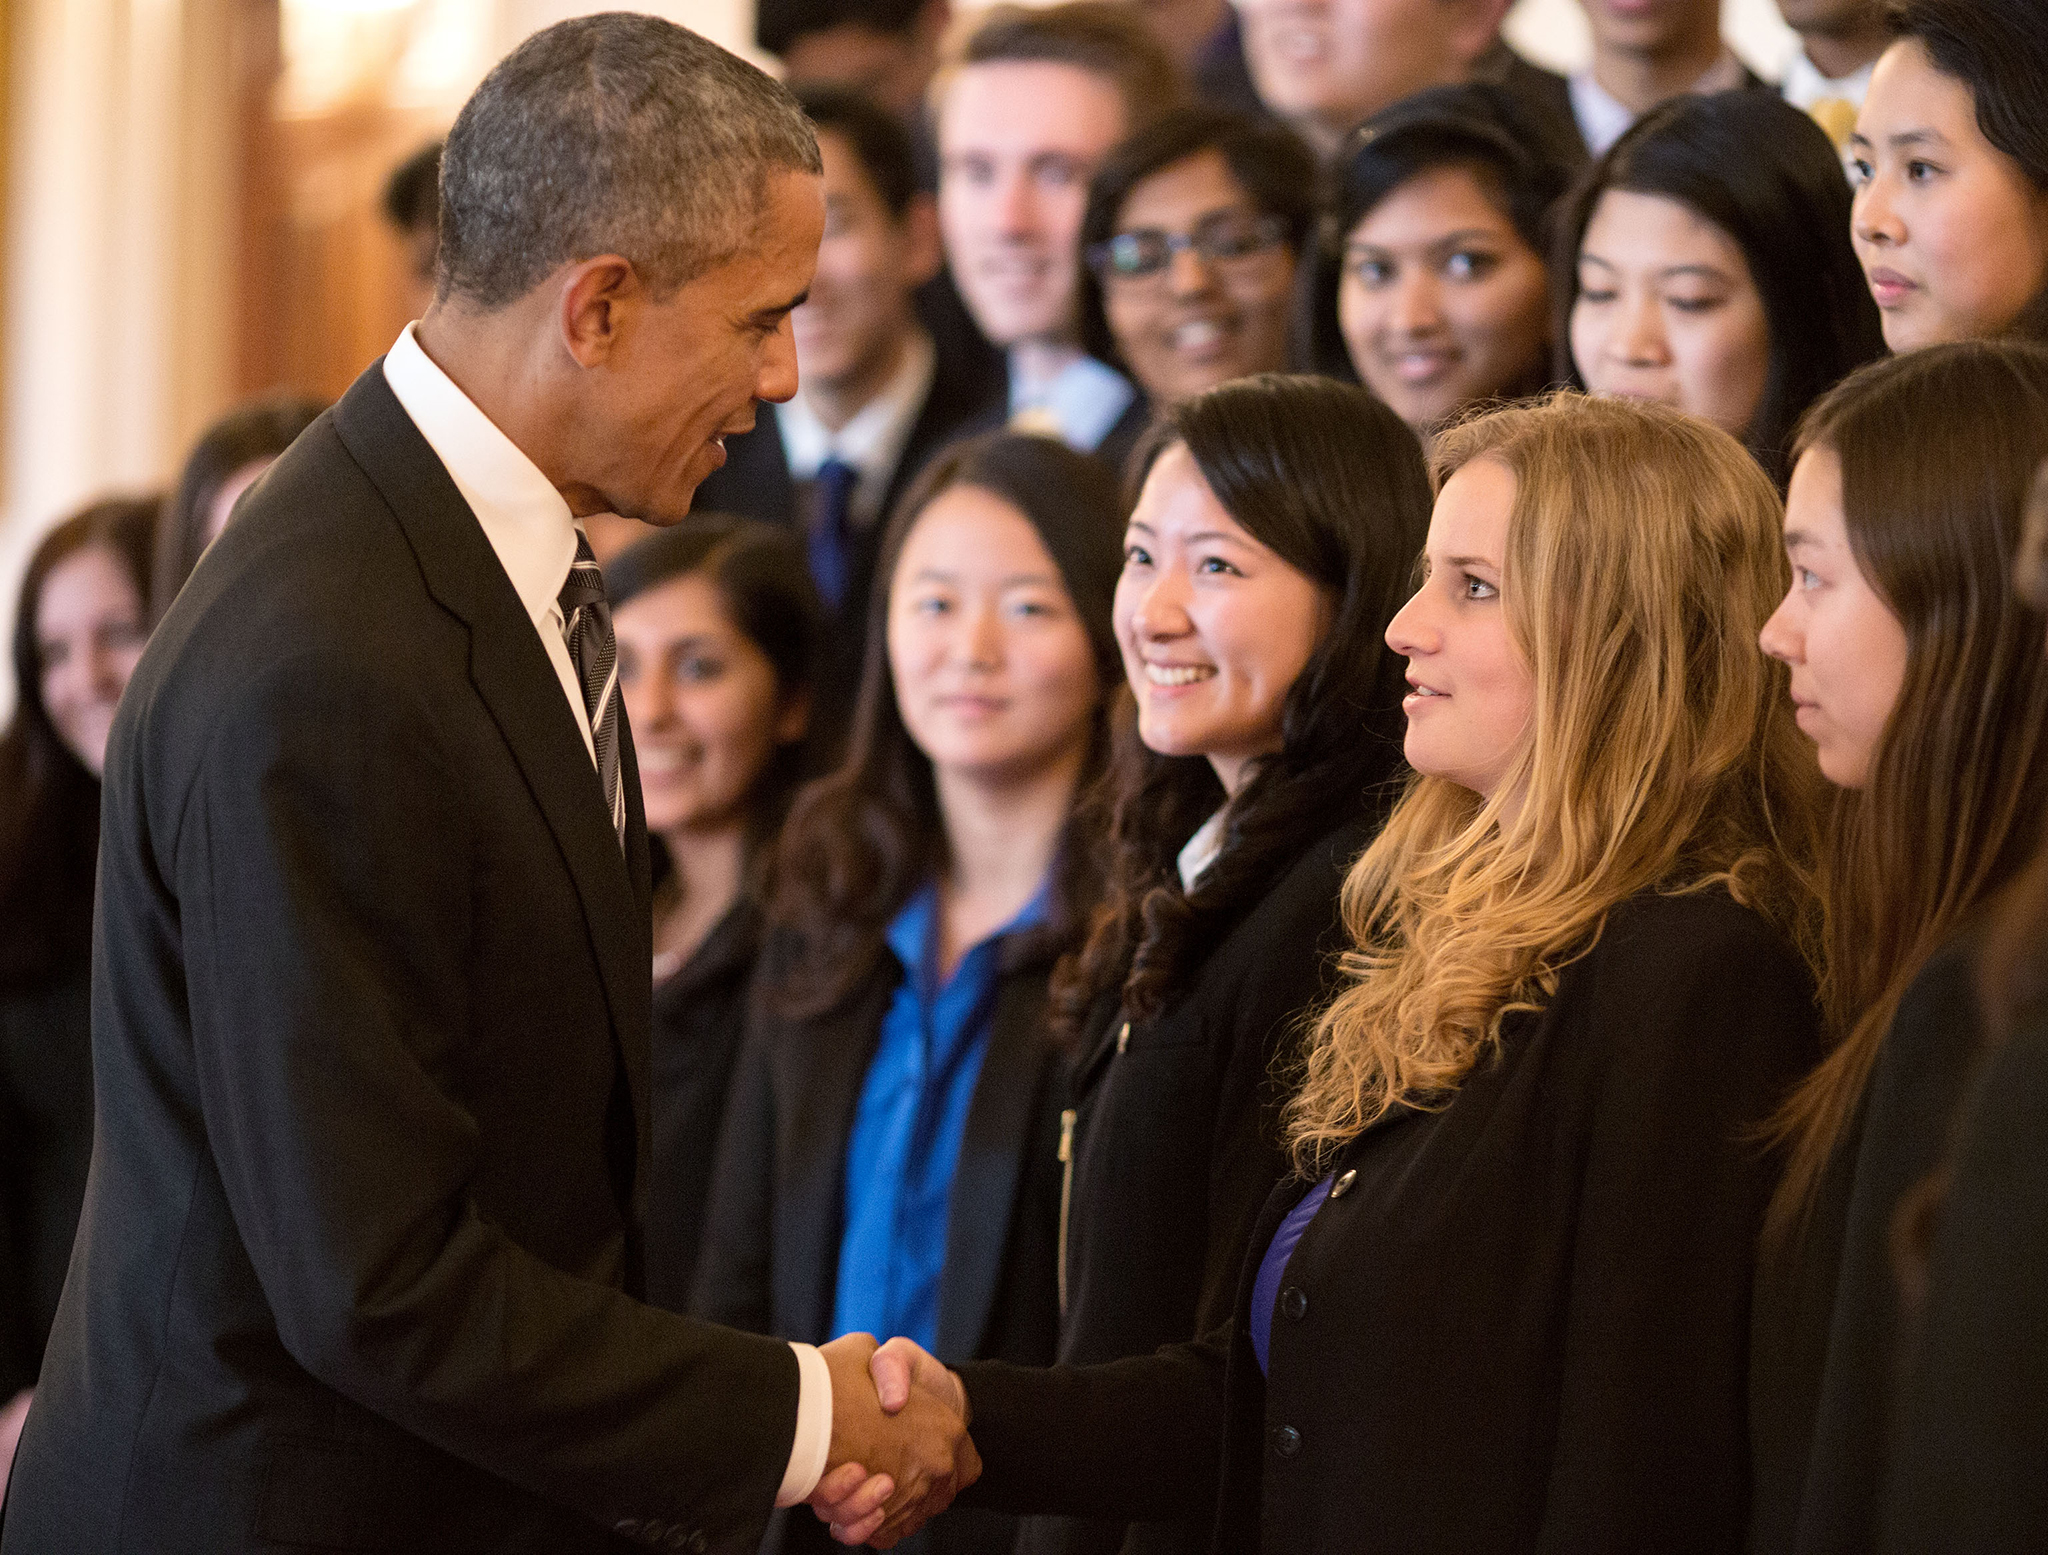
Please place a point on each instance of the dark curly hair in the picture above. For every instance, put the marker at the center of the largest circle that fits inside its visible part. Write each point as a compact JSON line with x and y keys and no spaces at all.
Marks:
{"x":1333,"y":482}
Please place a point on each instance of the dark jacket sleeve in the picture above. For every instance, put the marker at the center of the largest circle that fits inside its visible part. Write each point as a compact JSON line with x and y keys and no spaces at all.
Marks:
{"x":736,"y":1265}
{"x":1700,"y":1020}
{"x":326,"y":866}
{"x":16,"y":1368}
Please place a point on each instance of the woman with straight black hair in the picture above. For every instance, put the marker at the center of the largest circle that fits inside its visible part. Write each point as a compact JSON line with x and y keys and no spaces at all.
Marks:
{"x":1705,"y":262}
{"x":889,"y":1157}
{"x":718,"y":630}
{"x":1192,"y":233}
{"x":1950,"y":163}
{"x":1431,"y":286}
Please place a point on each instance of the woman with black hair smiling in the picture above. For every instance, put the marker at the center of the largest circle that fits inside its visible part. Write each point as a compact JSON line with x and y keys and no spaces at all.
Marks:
{"x":1704,"y":262}
{"x":1432,"y":288}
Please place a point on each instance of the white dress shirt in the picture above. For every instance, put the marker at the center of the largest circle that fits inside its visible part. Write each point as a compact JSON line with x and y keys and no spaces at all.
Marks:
{"x":1804,"y":85}
{"x":534,"y":535}
{"x":1201,"y":850}
{"x":1604,"y":118}
{"x":873,"y":441}
{"x":1078,"y":404}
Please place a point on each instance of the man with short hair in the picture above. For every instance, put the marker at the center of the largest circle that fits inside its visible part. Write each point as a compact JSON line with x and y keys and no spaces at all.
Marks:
{"x":1027,"y":103}
{"x":370,"y":971}
{"x":1647,"y":54}
{"x":1839,"y":41}
{"x":1326,"y":66}
{"x":884,"y":49}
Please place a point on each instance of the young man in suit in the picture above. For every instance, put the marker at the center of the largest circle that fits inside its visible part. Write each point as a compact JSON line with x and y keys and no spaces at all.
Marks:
{"x":1028,"y":102}
{"x":370,"y":973}
{"x":1645,"y":55}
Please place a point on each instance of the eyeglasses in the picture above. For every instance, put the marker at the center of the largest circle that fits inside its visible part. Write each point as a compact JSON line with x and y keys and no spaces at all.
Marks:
{"x":1225,"y":238}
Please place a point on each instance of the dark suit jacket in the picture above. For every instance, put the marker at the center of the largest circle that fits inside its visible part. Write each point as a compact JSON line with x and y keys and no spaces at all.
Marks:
{"x":1177,"y":1145}
{"x":1970,"y":1470}
{"x":370,"y":1014}
{"x":771,"y":1252}
{"x":45,"y":1147}
{"x":1520,"y":1328}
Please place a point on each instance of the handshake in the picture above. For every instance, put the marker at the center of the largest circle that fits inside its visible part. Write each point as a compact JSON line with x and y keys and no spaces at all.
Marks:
{"x":900,"y":1451}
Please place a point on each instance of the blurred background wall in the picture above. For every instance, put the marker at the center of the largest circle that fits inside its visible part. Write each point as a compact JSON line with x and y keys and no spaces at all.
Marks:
{"x":191,"y":207}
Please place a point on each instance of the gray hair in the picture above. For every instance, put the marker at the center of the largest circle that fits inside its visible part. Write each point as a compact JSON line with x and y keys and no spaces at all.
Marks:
{"x":611,"y":134}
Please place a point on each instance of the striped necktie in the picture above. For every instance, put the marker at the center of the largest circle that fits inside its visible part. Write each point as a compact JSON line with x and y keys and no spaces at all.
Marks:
{"x":587,"y":628}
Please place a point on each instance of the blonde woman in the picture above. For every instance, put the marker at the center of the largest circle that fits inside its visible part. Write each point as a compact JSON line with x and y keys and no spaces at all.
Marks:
{"x":1503,"y":1305}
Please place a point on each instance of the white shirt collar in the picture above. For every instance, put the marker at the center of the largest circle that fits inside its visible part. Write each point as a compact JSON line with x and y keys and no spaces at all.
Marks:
{"x":1201,"y":850}
{"x":1604,"y":118}
{"x":1078,"y":405}
{"x":873,"y":441}
{"x":522,"y":515}
{"x":1804,"y":85}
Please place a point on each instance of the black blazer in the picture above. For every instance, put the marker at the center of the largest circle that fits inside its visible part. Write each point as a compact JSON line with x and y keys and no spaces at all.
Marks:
{"x":1835,"y":1376}
{"x":1970,"y":1470}
{"x":1177,"y":1144}
{"x":700,"y":1017}
{"x":1522,"y":1324}
{"x":370,"y":1016}
{"x":771,"y":1250}
{"x":45,"y":1147}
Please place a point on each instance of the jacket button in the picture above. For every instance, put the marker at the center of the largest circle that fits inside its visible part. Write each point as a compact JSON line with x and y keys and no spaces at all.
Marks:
{"x":1286,"y":1441}
{"x":1343,"y":1184}
{"x":1294,"y":1302}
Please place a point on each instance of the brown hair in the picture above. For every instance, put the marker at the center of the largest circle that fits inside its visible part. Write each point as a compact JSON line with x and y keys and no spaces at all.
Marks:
{"x":1938,"y":449}
{"x":1643,"y":557}
{"x":1108,"y":41}
{"x":863,"y":839}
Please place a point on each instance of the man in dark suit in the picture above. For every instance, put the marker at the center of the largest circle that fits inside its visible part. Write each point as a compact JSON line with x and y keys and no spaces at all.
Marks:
{"x":877,"y":397}
{"x":370,"y":972}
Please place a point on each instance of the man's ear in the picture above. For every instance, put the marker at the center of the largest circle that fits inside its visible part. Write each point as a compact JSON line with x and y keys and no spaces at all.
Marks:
{"x":923,"y":254}
{"x":595,"y":295}
{"x":1475,"y":26}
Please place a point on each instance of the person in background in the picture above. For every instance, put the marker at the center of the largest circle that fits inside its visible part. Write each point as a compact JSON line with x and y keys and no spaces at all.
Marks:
{"x":1839,"y":42}
{"x":412,"y":205}
{"x":1028,"y":103}
{"x":886,"y":50}
{"x":1704,"y":262}
{"x":79,"y":628}
{"x":1191,"y":237}
{"x":875,"y":398}
{"x":1501,"y":1304}
{"x":1904,"y":515}
{"x":1644,"y":55}
{"x":223,"y":464}
{"x":1950,"y":163}
{"x":719,"y":635}
{"x":1434,"y":290}
{"x":1326,"y":66}
{"x":889,"y":1163}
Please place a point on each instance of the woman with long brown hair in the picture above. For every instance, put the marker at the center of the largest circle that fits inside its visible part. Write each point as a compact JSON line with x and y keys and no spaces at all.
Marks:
{"x":1502,"y":1304}
{"x":1917,"y":672}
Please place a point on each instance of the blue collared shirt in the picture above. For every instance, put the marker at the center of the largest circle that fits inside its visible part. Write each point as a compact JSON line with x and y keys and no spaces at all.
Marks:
{"x":909,"y":1123}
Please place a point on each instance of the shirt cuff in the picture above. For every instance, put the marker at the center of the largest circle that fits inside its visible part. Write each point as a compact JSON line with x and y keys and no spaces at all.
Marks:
{"x":813,"y":1442}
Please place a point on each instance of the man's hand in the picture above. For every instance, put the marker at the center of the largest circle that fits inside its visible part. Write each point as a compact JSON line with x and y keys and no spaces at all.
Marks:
{"x":914,"y":1458}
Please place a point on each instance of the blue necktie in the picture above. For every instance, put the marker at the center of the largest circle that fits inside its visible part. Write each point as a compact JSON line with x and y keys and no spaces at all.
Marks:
{"x":831,"y":537}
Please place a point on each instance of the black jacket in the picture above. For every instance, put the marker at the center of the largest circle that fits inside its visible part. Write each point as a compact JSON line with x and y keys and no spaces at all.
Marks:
{"x":1520,"y":1326}
{"x":1833,"y":1337}
{"x":1970,"y":1469}
{"x":1177,"y":1143}
{"x":700,"y":1018}
{"x":370,"y":1021}
{"x":45,"y":1148}
{"x":771,"y":1249}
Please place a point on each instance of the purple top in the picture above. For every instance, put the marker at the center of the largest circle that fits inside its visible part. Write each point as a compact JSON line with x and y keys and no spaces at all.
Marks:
{"x":1266,"y":1288}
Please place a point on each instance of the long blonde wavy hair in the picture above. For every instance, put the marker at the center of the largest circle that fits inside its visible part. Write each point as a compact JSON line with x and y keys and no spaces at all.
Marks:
{"x":1643,"y":556}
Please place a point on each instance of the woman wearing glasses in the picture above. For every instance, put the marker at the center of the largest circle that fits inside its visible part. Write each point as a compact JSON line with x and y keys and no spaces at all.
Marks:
{"x":1191,"y":235}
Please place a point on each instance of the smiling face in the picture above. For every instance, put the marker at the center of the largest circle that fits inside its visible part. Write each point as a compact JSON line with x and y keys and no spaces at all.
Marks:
{"x":706,"y":711}
{"x":1329,"y":65}
{"x":1018,"y":142}
{"x":1952,"y":235}
{"x":1215,"y":627}
{"x":681,"y":373}
{"x":1200,"y":321}
{"x":994,"y":675}
{"x":89,"y":634}
{"x":1846,"y":649}
{"x":1441,"y":303}
{"x":1474,"y":696}
{"x":1667,"y":311}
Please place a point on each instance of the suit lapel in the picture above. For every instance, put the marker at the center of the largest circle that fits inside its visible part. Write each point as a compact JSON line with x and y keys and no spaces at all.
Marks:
{"x":984,"y":1195}
{"x":517,"y":682}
